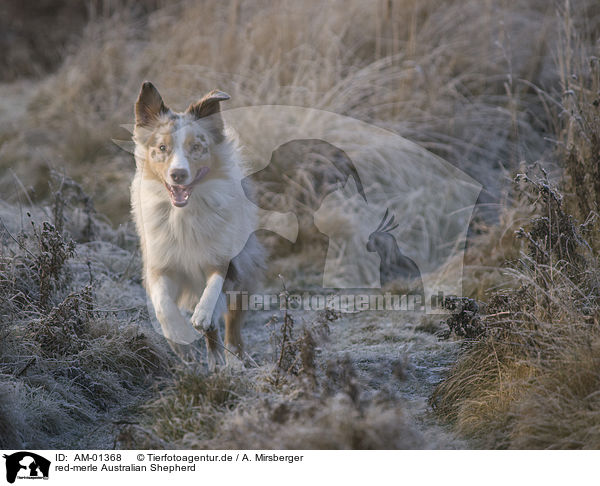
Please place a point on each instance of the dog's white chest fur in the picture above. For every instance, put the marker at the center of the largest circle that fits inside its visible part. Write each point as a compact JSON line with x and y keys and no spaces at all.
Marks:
{"x":184,"y":239}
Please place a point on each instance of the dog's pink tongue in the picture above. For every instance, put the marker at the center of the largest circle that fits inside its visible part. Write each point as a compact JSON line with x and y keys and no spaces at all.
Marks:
{"x":180,"y":195}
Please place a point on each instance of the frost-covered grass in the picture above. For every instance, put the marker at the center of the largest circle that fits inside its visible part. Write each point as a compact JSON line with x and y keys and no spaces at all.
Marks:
{"x":76,"y":347}
{"x":356,"y":389}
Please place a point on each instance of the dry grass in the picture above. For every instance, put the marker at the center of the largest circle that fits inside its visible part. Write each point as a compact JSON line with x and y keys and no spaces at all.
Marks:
{"x":531,"y":380}
{"x":465,"y":81}
{"x":448,"y":76}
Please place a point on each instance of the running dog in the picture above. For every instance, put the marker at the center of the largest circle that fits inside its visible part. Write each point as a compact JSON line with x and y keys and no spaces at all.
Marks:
{"x":193,"y":220}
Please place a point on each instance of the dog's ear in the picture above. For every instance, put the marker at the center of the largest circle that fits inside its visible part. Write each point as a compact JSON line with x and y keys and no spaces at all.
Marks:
{"x":149,"y":105}
{"x":209,"y":106}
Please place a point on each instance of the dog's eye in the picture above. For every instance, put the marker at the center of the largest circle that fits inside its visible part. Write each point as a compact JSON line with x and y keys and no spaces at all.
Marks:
{"x":196,"y":147}
{"x":162,"y":147}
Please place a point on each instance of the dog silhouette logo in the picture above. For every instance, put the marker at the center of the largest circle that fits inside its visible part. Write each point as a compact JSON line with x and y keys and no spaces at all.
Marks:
{"x":29,"y":464}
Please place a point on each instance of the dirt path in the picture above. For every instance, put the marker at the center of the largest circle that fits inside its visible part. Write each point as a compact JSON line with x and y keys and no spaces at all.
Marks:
{"x":389,"y":350}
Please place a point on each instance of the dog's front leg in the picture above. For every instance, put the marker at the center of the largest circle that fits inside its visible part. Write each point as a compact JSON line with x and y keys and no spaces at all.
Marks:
{"x":162,"y":292}
{"x":205,"y":317}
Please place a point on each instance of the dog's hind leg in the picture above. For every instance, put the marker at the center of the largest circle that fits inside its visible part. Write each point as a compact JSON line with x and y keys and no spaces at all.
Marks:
{"x":214,"y":348}
{"x":234,"y":319}
{"x":189,"y":354}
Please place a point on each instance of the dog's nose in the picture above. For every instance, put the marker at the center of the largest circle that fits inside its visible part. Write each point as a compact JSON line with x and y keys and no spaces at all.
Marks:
{"x":179,"y":175}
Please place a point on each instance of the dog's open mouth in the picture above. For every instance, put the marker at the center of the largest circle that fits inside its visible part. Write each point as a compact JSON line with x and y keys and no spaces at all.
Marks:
{"x":180,"y":194}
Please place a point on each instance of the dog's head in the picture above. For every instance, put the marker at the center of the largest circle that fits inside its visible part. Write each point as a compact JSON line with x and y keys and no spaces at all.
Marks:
{"x":176,"y":149}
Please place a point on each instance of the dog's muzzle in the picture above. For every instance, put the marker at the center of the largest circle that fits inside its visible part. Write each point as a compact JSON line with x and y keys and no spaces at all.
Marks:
{"x":180,"y":194}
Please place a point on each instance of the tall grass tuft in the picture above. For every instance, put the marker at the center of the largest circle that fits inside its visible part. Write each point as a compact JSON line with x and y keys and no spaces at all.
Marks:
{"x":531,"y":380}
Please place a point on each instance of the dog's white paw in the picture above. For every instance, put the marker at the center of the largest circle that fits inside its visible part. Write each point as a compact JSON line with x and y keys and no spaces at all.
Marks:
{"x":202,"y":318}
